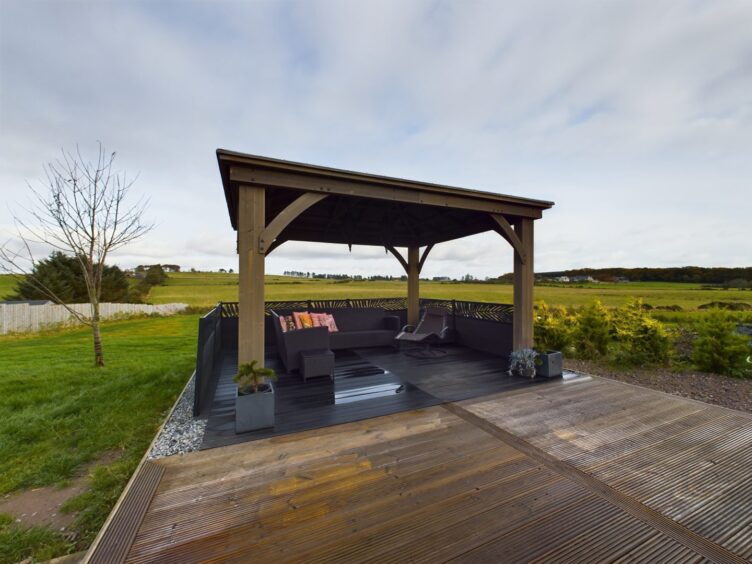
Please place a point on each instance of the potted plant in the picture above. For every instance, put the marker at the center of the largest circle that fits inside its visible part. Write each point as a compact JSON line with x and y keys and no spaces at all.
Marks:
{"x":254,"y":402}
{"x":522,"y":363}
{"x":548,"y":364}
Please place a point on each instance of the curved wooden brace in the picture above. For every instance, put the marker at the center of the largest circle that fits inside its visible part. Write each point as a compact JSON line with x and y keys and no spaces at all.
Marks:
{"x":424,"y":256}
{"x":276,"y":243}
{"x":285,"y":217}
{"x":506,"y":231}
{"x":398,"y":256}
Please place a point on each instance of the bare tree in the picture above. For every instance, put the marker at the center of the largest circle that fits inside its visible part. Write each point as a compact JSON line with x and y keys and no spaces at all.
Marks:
{"x":80,"y":210}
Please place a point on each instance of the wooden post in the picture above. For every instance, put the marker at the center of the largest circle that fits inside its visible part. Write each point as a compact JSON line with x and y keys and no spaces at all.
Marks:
{"x":524,"y":280}
{"x":251,"y":223}
{"x":413,"y":286}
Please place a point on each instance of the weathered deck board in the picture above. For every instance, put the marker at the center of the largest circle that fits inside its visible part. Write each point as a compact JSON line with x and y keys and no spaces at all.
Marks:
{"x":592,"y":471}
{"x":687,"y":460}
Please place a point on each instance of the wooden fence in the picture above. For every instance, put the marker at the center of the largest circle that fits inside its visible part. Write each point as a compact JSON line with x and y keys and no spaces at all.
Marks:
{"x":21,"y":318}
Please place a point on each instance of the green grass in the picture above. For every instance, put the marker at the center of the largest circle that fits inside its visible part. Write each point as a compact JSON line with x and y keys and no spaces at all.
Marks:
{"x":7,"y":285}
{"x":18,"y":543}
{"x":59,"y":412}
{"x":206,"y":289}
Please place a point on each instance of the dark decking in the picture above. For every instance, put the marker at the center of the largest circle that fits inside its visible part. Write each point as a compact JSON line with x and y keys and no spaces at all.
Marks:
{"x":586,"y":470}
{"x":365,"y":385}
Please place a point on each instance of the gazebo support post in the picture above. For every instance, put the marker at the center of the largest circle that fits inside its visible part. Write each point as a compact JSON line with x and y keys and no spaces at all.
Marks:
{"x":524,"y":279}
{"x":251,"y":224}
{"x":413,"y":285}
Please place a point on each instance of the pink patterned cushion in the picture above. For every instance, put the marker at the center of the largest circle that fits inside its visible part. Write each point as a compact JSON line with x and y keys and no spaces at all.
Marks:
{"x":283,"y":323}
{"x":316,"y":318}
{"x":330,"y":323}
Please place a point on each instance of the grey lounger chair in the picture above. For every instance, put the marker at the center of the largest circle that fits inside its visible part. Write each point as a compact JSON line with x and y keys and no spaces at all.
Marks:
{"x":433,"y":328}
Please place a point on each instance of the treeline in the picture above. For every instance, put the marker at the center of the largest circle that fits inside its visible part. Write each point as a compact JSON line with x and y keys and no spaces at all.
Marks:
{"x":60,"y":278}
{"x":695,"y":274}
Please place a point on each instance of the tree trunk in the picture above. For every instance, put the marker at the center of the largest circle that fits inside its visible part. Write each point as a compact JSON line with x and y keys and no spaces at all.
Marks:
{"x":98,"y":353}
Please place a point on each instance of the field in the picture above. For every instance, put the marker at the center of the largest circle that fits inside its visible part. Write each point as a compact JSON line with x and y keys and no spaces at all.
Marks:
{"x":61,"y":415}
{"x":206,"y":289}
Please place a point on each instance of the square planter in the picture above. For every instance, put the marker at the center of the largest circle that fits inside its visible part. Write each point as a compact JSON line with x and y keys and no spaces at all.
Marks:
{"x":254,"y":411}
{"x":550,"y":364}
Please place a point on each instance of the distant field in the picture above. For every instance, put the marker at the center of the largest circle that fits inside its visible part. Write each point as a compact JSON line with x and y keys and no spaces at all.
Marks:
{"x":206,"y":289}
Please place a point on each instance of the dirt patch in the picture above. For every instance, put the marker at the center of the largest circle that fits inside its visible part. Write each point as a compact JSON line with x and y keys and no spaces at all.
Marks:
{"x":41,"y":506}
{"x":735,"y":393}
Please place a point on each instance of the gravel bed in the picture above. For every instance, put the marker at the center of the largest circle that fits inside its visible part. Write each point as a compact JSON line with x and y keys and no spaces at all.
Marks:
{"x":181,"y":433}
{"x":735,"y":393}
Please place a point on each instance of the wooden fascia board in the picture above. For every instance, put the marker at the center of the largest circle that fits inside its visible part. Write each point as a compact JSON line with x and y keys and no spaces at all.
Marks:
{"x":364,"y":189}
{"x":229,"y":158}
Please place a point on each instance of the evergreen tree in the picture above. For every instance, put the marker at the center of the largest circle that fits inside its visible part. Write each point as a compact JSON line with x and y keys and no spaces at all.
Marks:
{"x":61,"y":275}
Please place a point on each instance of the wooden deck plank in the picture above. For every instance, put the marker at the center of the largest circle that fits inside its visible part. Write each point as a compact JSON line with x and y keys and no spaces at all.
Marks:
{"x":677,"y":464}
{"x":590,"y":471}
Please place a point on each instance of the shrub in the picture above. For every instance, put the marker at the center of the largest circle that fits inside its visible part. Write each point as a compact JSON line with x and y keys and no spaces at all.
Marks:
{"x":640,"y":339}
{"x":62,"y":275}
{"x":731,"y":306}
{"x":718,"y":347}
{"x":592,"y":332}
{"x":553,"y":328}
{"x":684,"y":343}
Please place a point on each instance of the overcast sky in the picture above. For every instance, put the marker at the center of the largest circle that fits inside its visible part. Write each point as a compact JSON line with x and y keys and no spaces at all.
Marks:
{"x":634,"y":117}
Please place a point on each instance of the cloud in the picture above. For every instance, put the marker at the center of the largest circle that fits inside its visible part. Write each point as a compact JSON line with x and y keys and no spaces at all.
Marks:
{"x":635,"y":117}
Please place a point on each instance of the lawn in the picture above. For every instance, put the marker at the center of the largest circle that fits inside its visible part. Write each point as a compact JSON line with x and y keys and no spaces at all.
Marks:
{"x":206,"y":289}
{"x":7,"y":285}
{"x":60,"y":413}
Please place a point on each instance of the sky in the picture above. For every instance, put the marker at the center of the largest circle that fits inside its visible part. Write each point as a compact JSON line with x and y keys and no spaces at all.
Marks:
{"x":635,"y":117}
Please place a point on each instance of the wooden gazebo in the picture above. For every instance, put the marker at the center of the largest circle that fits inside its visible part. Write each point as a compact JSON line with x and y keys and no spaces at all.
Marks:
{"x":272,"y":201}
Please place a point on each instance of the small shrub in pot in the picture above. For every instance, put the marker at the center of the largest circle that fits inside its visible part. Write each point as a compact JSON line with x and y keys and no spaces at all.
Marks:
{"x":254,"y":403}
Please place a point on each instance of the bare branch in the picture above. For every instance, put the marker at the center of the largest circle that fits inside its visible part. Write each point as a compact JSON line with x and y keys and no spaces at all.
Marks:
{"x":80,"y":210}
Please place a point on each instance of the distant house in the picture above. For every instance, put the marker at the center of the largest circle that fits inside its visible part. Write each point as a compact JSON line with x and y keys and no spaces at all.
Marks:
{"x":560,"y":279}
{"x":582,"y":279}
{"x":171,"y":267}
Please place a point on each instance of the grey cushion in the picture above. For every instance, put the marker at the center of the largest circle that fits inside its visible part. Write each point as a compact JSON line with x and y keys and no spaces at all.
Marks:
{"x":355,"y":339}
{"x":354,"y":319}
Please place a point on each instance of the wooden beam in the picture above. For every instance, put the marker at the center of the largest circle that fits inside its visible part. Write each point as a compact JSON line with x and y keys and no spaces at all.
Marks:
{"x":506,"y":231}
{"x":251,"y":222}
{"x":398,"y":256}
{"x":423,"y":257}
{"x":524,"y":280}
{"x":286,"y":216}
{"x":374,"y":190}
{"x":413,"y":286}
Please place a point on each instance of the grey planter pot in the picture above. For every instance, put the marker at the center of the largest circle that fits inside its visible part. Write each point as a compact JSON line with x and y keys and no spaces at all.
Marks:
{"x":550,"y":364}
{"x":254,"y":411}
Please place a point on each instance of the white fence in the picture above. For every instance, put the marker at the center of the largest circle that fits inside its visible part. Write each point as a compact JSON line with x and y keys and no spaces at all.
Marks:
{"x":20,"y":318}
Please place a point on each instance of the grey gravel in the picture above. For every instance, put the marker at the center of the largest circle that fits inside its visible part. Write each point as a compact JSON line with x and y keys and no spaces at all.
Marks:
{"x":182,"y":433}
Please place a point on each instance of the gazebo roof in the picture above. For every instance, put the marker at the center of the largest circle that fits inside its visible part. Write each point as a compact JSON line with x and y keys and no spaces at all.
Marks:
{"x":367,"y":209}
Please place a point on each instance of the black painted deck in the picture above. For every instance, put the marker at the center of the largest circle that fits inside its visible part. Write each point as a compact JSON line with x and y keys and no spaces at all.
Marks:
{"x":364,"y":386}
